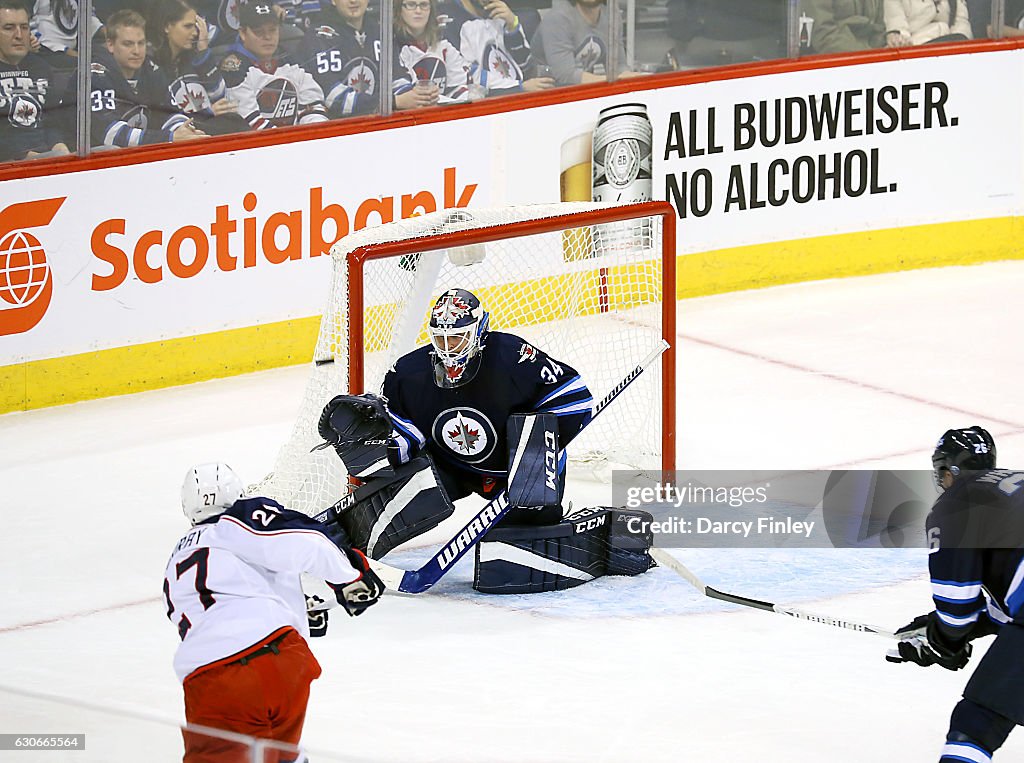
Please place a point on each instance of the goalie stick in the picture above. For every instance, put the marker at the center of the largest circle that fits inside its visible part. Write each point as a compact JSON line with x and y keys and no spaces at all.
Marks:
{"x":665,"y":559}
{"x":418,"y":581}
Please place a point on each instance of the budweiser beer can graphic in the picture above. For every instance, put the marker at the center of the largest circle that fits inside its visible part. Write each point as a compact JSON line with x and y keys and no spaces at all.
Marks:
{"x":622,"y":155}
{"x":622,"y":171}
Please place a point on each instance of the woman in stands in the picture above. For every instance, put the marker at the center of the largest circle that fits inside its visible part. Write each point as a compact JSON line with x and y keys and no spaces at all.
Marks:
{"x":428,"y":69}
{"x":182,"y":51}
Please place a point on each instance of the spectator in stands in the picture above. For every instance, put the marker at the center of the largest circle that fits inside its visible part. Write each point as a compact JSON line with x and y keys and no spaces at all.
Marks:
{"x":26,"y":129}
{"x":129,"y":97}
{"x":428,"y":69}
{"x":270,"y":89}
{"x":55,"y":24}
{"x":573,"y":41}
{"x":844,"y":26}
{"x":492,"y":39}
{"x":342,"y":51}
{"x":224,"y":14}
{"x":711,"y":32}
{"x":916,"y":22}
{"x":980,"y":12}
{"x":182,"y":51}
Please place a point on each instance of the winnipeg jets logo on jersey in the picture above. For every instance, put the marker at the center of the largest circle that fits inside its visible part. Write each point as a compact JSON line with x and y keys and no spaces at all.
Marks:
{"x":449,"y":309}
{"x":431,"y":68}
{"x":65,"y":14}
{"x":590,"y":55}
{"x":279,"y":102}
{"x":137,"y":117}
{"x":24,"y":111}
{"x":466,"y":432}
{"x":501,"y":67}
{"x":189,"y":95}
{"x":527,"y":353}
{"x":22,"y":97}
{"x":361,"y":76}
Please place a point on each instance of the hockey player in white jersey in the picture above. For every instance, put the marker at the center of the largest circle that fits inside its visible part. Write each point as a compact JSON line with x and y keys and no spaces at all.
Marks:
{"x":232,"y":590}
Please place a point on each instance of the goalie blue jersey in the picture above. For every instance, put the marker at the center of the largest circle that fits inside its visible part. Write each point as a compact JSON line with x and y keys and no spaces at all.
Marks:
{"x":976,"y":529}
{"x":466,"y":427}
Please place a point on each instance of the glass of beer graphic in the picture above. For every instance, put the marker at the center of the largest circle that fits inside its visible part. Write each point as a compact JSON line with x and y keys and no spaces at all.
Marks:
{"x":574,"y":181}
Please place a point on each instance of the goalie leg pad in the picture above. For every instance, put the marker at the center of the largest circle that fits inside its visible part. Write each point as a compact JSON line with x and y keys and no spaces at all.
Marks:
{"x":386,"y":512}
{"x":583,"y":546}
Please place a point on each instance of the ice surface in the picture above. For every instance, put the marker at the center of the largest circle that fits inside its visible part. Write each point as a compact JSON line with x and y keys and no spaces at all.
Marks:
{"x":854,"y":372}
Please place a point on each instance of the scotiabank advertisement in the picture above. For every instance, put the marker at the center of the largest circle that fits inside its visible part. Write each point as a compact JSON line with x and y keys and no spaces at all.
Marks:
{"x":190,"y":246}
{"x":111,"y":258}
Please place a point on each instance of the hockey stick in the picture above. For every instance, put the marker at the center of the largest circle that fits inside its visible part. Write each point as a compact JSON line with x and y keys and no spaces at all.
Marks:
{"x":665,"y":559}
{"x":418,"y":581}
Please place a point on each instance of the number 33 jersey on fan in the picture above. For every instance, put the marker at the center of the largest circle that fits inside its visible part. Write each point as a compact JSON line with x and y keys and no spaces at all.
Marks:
{"x":465,"y":426}
{"x":234,"y":579}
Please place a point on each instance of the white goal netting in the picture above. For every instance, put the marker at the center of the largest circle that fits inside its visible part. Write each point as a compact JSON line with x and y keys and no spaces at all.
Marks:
{"x":592,"y":295}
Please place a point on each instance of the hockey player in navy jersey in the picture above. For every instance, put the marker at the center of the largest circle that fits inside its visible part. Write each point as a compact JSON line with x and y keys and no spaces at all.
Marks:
{"x":477,"y":412}
{"x":232,"y":590}
{"x":453,"y":398}
{"x":976,"y":536}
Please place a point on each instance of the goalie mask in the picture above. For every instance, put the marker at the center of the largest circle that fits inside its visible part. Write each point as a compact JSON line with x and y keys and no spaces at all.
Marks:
{"x":209,"y":490}
{"x":458,"y":332}
{"x":959,"y":450}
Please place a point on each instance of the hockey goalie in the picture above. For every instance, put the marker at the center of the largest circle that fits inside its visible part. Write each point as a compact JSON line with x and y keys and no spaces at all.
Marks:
{"x":478,"y":412}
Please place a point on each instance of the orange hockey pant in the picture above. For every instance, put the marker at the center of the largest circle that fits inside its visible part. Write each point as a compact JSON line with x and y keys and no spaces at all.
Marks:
{"x":263,"y":696}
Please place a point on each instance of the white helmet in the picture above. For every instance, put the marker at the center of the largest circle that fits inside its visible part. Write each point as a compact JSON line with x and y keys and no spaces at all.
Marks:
{"x":208,"y":490}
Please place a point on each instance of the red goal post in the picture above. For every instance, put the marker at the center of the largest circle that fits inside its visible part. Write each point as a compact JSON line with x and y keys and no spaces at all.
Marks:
{"x":593,"y":285}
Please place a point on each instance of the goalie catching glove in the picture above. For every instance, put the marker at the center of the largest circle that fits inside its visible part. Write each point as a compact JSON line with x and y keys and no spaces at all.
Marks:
{"x":354,"y":421}
{"x":923,"y":644}
{"x":363,"y":592}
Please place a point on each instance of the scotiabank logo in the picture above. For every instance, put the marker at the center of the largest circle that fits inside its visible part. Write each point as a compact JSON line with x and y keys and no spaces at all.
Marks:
{"x":26,"y":284}
{"x":251,"y":236}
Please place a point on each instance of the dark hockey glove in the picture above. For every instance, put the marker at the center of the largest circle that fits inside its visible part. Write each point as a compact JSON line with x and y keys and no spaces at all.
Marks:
{"x":921,"y":643}
{"x":363,"y":592}
{"x":317,"y":623}
{"x":317,"y":618}
{"x":351,"y":420}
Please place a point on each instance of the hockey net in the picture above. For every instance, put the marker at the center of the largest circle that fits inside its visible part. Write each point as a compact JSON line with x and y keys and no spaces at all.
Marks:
{"x":592,"y":285}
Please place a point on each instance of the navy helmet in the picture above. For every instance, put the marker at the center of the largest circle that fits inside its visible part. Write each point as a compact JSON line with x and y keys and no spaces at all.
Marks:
{"x":458,"y":333}
{"x":959,"y":450}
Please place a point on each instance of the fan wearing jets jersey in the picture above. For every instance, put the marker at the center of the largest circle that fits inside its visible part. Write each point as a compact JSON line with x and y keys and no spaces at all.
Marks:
{"x":478,"y":412}
{"x":233,"y":592}
{"x":342,"y":51}
{"x":270,"y":89}
{"x":976,"y":561}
